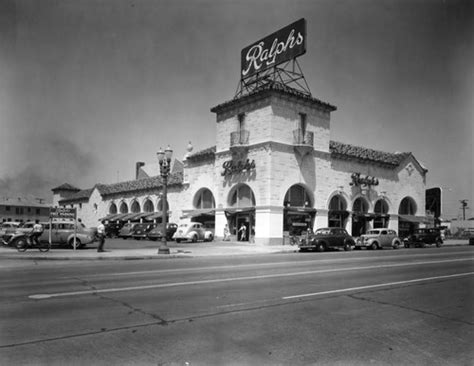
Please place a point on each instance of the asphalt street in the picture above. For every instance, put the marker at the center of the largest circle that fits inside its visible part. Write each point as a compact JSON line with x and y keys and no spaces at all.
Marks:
{"x":397,"y":307}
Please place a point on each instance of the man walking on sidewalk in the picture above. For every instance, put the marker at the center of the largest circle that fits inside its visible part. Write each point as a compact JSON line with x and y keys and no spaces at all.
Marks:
{"x":101,"y":235}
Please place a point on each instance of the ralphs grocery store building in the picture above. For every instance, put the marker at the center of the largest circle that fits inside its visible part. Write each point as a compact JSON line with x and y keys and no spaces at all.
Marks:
{"x":274,"y":167}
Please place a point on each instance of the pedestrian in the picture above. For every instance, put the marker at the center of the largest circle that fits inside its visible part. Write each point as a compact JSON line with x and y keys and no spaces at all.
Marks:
{"x":243,"y":232}
{"x":226,"y":233}
{"x":36,"y":232}
{"x":101,"y":235}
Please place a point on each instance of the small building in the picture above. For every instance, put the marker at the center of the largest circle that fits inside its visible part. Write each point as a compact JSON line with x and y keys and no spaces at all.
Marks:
{"x":23,"y":209}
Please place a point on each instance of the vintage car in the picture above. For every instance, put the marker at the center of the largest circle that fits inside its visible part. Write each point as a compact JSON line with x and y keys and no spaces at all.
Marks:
{"x":424,"y":236}
{"x":7,"y":229}
{"x":192,"y":231}
{"x":112,"y":229}
{"x":126,"y":230}
{"x":378,"y":238}
{"x":140,"y":231}
{"x":325,"y":238}
{"x":62,"y":232}
{"x":157,"y":232}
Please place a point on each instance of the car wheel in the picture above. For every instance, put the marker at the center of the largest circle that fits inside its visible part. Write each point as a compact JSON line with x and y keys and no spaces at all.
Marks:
{"x":194,"y":239}
{"x":396,"y":245}
{"x":210,"y":238}
{"x":374,"y":246}
{"x":347,"y":247}
{"x":320,"y":247}
{"x":439,"y":242}
{"x":407,"y":245}
{"x":78,"y":243}
{"x":21,"y":244}
{"x":178,"y":241}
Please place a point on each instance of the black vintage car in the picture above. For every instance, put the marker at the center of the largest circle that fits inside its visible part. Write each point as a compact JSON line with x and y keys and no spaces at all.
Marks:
{"x":140,"y":231}
{"x":157,"y":232}
{"x":112,"y":229}
{"x":325,"y":238}
{"x":423,"y":236}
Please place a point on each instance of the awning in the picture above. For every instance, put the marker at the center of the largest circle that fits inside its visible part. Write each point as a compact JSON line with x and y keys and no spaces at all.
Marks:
{"x":155,"y":215}
{"x":199,"y":212}
{"x":413,"y":218}
{"x":108,"y":217}
{"x":299,"y":210}
{"x":130,"y":216}
{"x":118,"y":216}
{"x":234,"y":210}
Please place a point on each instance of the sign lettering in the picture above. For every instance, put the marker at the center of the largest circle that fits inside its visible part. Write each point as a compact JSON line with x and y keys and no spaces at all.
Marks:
{"x":62,"y":213}
{"x":281,"y":46}
{"x":230,"y":167}
{"x":357,"y":180}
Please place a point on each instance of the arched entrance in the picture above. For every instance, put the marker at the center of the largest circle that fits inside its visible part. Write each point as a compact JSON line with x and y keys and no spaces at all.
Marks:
{"x":337,"y":213}
{"x":360,"y":217}
{"x":381,"y":218}
{"x":241,"y":212}
{"x":298,"y":212}
{"x":407,"y":221}
{"x":113,"y":208}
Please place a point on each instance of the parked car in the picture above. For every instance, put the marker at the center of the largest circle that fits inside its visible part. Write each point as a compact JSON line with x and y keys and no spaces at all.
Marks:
{"x":157,"y":232}
{"x":424,"y":236}
{"x":112,"y":229}
{"x":62,"y":232}
{"x":193,"y":231}
{"x":141,"y":230}
{"x":325,"y":238}
{"x":126,"y":230}
{"x":7,"y":229}
{"x":379,"y":238}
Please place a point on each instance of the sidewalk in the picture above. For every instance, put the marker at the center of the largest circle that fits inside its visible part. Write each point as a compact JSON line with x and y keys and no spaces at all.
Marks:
{"x":216,"y":248}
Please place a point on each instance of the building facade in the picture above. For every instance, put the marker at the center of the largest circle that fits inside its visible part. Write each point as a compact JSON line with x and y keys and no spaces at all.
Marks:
{"x":275,"y":170}
{"x":23,"y":209}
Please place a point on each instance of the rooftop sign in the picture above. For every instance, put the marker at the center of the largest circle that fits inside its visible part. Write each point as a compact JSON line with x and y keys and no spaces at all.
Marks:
{"x":281,"y":46}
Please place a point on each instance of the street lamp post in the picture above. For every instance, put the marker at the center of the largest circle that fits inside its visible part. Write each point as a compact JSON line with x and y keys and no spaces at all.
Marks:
{"x":164,"y":158}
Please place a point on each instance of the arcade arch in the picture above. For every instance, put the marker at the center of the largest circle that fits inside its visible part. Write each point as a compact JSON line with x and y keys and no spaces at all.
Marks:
{"x":241,"y":211}
{"x":337,"y":211}
{"x":298,"y":212}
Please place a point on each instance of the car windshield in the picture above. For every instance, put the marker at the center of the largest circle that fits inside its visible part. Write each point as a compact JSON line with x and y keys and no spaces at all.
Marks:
{"x":322,"y":232}
{"x":373,"y":232}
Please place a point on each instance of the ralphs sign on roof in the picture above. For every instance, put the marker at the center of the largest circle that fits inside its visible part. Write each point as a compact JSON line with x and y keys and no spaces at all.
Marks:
{"x":281,"y":46}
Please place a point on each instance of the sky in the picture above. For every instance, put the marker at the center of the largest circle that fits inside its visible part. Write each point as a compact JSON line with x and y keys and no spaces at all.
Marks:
{"x":89,"y":87}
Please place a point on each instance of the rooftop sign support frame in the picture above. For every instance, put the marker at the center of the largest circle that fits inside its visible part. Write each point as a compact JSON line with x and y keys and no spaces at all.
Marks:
{"x":273,"y":60}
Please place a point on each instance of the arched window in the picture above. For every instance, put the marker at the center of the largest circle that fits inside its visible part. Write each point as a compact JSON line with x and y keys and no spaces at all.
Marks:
{"x":123,"y":208}
{"x":242,"y":196}
{"x":160,"y":205}
{"x":135,"y":207}
{"x":297,"y":196}
{"x":148,"y":206}
{"x":337,"y":203}
{"x":204,"y":199}
{"x":381,"y":207}
{"x":113,"y":208}
{"x":407,"y":206}
{"x":360,"y":206}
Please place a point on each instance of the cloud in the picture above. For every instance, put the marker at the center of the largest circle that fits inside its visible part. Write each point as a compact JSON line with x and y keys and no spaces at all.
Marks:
{"x":51,"y":162}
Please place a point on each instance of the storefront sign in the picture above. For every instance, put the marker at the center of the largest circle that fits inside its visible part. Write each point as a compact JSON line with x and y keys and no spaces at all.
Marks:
{"x":63,"y":213}
{"x":357,"y":180}
{"x":231,"y":167}
{"x":281,"y":46}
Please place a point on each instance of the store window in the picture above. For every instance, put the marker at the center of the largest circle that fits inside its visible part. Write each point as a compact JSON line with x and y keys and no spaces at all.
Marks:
{"x":337,"y":214}
{"x":360,"y":218}
{"x":204,"y":199}
{"x":381,"y":214}
{"x":298,"y":213}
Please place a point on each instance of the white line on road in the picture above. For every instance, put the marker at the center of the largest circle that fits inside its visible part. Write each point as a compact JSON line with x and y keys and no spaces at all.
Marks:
{"x":246,"y":278}
{"x":378,"y":285}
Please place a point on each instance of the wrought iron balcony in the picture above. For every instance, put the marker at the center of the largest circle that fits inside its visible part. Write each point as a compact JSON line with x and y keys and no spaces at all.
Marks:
{"x":303,"y":142}
{"x":239,"y":138}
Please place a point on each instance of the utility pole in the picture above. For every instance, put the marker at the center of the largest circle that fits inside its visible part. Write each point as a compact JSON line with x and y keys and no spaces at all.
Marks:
{"x":464,"y":208}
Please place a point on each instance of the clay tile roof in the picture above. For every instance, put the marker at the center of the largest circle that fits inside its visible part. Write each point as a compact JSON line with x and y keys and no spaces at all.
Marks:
{"x":273,"y":88}
{"x":66,"y":187}
{"x":346,"y":151}
{"x":208,"y":153}
{"x":82,"y":195}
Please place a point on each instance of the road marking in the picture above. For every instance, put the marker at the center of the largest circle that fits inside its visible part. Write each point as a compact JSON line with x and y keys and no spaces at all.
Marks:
{"x":246,"y":278}
{"x":258,"y":265}
{"x":376,"y":286}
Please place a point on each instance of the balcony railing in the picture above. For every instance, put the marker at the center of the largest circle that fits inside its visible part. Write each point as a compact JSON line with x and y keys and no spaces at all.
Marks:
{"x":239,"y":138}
{"x":300,"y":138}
